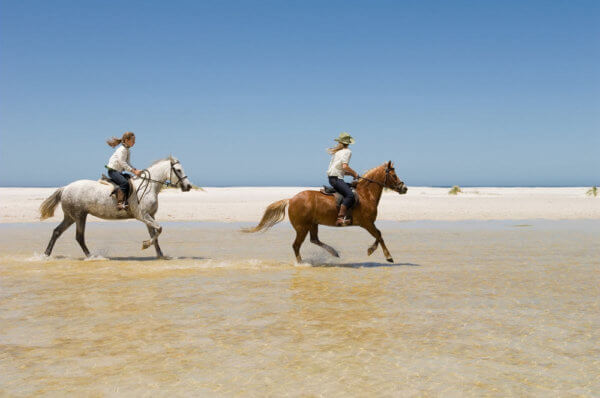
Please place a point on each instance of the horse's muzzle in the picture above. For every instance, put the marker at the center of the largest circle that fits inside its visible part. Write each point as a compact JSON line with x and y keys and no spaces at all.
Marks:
{"x":186,"y":187}
{"x":402,"y":190}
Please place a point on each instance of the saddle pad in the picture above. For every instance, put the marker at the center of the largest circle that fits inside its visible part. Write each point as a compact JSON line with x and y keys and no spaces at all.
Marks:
{"x":108,"y":181}
{"x":105,"y":180}
{"x":339,"y":198}
{"x":329,"y":191}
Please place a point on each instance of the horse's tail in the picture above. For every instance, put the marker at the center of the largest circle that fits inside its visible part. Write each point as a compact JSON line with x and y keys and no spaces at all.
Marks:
{"x":274,"y":214}
{"x":48,"y":206}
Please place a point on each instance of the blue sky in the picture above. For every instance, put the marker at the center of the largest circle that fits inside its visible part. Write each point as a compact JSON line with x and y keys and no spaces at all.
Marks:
{"x":474,"y":93}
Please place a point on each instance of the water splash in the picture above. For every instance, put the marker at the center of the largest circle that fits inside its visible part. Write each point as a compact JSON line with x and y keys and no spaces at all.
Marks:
{"x":98,"y":255}
{"x":319,"y":258}
{"x":39,"y":257}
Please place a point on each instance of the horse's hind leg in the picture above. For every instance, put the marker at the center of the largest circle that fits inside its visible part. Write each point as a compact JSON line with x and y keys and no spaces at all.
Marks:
{"x":62,"y":227}
{"x":153,"y":232}
{"x":80,"y":233}
{"x":301,"y":231}
{"x":314,"y":238}
{"x":373,"y":247}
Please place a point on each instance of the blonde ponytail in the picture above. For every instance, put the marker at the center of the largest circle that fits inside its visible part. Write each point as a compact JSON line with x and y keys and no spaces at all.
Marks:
{"x":114,"y":141}
{"x":337,"y":148}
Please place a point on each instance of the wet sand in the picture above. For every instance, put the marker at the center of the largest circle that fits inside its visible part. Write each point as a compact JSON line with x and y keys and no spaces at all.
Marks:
{"x":469,"y":308}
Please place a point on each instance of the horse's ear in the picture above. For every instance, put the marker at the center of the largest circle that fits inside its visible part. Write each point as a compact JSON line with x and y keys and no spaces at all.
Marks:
{"x":389,"y":164}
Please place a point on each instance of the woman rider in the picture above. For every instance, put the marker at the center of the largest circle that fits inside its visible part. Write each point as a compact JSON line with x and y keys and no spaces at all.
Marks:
{"x":338,"y":168}
{"x":118,"y":163}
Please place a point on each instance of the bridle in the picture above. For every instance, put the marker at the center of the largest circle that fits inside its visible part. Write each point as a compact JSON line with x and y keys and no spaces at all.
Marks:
{"x":384,"y":185}
{"x":167,"y":183}
{"x":180,"y":178}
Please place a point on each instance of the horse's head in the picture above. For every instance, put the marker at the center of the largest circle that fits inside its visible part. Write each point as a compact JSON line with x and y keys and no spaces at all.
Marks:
{"x":392,"y":181}
{"x":177,"y":175}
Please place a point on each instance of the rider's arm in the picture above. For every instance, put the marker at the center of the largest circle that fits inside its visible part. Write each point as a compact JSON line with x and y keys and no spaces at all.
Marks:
{"x":349,"y":171}
{"x":124,"y":159}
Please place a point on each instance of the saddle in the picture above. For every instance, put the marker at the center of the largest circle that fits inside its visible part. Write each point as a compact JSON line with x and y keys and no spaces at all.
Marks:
{"x":329,"y":191}
{"x":108,"y":181}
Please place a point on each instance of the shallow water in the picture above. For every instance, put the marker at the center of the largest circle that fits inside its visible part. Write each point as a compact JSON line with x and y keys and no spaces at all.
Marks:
{"x":475,"y":308}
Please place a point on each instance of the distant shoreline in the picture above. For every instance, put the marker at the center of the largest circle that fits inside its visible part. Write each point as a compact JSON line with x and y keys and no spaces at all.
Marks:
{"x":247,"y":204}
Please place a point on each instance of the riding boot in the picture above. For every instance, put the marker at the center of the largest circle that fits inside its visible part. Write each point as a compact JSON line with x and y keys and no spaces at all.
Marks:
{"x":121,"y":204}
{"x":342,"y":220}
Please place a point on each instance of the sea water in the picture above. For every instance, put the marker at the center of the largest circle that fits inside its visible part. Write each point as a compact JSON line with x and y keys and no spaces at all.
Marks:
{"x":478,"y":308}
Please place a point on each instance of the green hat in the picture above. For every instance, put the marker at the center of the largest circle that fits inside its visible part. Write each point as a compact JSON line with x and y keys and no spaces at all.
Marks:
{"x":345,"y":138}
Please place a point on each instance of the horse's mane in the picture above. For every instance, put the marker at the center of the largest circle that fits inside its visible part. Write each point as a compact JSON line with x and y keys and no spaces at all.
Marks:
{"x":161,"y":160}
{"x":372,"y":171}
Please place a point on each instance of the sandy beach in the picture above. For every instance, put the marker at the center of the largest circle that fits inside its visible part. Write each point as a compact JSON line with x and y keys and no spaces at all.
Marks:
{"x":246,"y":204}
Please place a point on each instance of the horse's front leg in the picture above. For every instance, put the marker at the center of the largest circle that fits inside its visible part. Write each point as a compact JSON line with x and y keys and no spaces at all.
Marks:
{"x":152,"y":232}
{"x":156,"y":228}
{"x":378,"y":239}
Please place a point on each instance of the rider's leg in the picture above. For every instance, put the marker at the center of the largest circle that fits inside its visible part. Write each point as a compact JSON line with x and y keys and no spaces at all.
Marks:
{"x":123,"y":191}
{"x":342,"y":220}
{"x":121,"y":205}
{"x":346,"y":191}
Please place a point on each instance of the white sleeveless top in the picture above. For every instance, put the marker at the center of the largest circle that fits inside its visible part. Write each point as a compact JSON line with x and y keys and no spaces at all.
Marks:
{"x":337,"y":160}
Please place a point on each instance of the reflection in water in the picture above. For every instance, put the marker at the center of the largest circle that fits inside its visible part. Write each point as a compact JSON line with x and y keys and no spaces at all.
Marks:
{"x":482,"y":310}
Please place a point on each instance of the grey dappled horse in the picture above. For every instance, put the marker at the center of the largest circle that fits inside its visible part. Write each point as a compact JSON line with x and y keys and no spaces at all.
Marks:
{"x":84,"y":197}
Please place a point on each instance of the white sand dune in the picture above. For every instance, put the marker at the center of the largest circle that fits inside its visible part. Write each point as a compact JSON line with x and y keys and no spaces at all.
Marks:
{"x":420,"y":203}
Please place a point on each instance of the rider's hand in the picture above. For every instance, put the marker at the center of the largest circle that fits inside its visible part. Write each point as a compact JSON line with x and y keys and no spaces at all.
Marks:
{"x":137,"y":172}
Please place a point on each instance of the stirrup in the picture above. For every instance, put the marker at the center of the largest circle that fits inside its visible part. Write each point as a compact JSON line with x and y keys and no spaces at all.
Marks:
{"x":343,"y":221}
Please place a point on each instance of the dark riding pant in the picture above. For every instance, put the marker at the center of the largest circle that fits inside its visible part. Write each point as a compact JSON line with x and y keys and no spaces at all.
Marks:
{"x":344,"y":189}
{"x":121,"y":180}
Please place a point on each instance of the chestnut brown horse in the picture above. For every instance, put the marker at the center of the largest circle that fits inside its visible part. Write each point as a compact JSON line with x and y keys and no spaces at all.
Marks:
{"x":308,"y":209}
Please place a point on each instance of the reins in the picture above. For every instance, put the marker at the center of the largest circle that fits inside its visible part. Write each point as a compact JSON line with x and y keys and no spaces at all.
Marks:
{"x":387,"y":173}
{"x":167,"y":183}
{"x":368,"y":179}
{"x":148,"y":179}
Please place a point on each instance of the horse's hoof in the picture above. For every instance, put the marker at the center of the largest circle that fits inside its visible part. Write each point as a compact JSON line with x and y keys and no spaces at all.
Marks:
{"x":390,"y":260}
{"x":336,"y":254}
{"x":146,"y":245}
{"x":370,"y":251}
